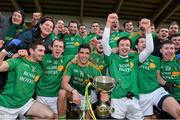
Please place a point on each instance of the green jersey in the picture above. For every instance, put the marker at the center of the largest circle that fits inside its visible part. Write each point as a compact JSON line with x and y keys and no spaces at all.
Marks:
{"x":135,"y":35}
{"x":71,"y":44}
{"x":124,"y":70}
{"x":80,"y":75}
{"x":170,"y":71}
{"x":53,"y":36}
{"x":89,"y":37}
{"x":20,"y":86}
{"x":116,"y":36}
{"x":53,"y":68}
{"x":99,"y":61}
{"x":147,"y":75}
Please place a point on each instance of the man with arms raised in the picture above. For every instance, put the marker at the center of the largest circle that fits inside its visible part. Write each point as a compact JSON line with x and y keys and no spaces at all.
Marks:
{"x":123,"y":68}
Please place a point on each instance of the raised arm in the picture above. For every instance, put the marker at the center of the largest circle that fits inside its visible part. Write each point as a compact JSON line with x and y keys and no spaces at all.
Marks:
{"x":145,"y":23}
{"x":3,"y":64}
{"x":105,"y":39}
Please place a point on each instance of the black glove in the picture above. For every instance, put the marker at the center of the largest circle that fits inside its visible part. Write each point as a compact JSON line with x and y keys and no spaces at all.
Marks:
{"x":169,"y":86}
{"x":129,"y":95}
{"x":13,"y":45}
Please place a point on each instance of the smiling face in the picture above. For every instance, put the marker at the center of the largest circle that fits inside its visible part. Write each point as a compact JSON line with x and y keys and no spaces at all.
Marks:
{"x":129,"y":27}
{"x":37,"y":53}
{"x":17,"y":18}
{"x":168,"y":51}
{"x":83,"y":55}
{"x":95,"y":28}
{"x":176,"y":41}
{"x":46,"y":28}
{"x":59,"y":25}
{"x":73,"y":28}
{"x":173,"y":29}
{"x":124,"y":47}
{"x":57,"y":48}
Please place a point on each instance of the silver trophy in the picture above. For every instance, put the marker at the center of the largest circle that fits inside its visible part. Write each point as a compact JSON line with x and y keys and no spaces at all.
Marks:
{"x":103,"y":84}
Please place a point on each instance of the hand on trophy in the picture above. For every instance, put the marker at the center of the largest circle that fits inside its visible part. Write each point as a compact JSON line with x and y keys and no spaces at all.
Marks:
{"x":104,"y":96}
{"x":75,"y":97}
{"x":105,"y":85}
{"x":145,"y":25}
{"x":111,"y":18}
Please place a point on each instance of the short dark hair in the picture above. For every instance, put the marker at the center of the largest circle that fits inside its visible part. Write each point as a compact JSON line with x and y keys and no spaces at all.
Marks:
{"x":174,"y":35}
{"x":123,"y":38}
{"x":56,"y":39}
{"x":173,"y":23}
{"x":34,"y":44}
{"x":81,"y":25}
{"x":84,"y":46}
{"x":161,"y":28}
{"x":72,"y":21}
{"x":166,"y":42}
{"x":127,"y":21}
{"x":95,"y":22}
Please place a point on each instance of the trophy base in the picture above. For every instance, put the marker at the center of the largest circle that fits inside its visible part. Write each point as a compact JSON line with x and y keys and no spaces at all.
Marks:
{"x":103,"y":111}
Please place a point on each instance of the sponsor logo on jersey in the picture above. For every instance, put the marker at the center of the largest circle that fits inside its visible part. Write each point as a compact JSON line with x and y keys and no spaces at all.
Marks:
{"x":152,"y":65}
{"x":101,"y":67}
{"x":60,"y":68}
{"x":116,"y":38}
{"x":175,"y":73}
{"x":76,"y":44}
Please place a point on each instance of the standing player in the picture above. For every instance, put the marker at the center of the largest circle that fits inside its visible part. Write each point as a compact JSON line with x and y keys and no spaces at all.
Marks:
{"x":124,"y":68}
{"x":72,"y":41}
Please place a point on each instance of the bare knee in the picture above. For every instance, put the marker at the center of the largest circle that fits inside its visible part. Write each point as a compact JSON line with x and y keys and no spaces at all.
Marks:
{"x":48,"y":115}
{"x":62,"y":94}
{"x":171,"y":106}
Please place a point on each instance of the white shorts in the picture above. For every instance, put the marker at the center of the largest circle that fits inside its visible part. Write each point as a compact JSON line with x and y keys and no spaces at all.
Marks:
{"x":51,"y":102}
{"x":126,"y":108}
{"x":9,"y":113}
{"x":147,"y":101}
{"x":93,"y":99}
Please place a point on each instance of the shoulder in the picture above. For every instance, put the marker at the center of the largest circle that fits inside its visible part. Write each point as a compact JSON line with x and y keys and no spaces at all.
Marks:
{"x":94,"y":66}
